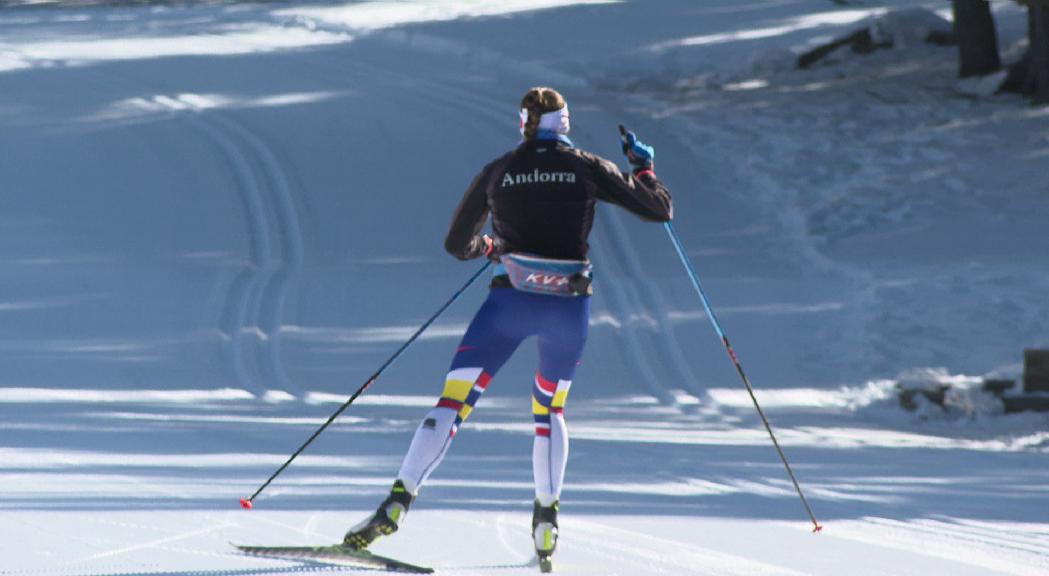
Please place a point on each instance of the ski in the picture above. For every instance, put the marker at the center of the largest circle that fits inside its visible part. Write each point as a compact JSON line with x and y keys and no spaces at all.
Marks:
{"x":335,"y":554}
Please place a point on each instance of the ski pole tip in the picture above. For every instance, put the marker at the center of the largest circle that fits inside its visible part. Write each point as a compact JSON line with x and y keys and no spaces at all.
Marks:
{"x":818,"y":528}
{"x":246,"y":504}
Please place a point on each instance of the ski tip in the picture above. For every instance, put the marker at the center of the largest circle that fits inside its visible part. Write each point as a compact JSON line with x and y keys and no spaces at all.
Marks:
{"x":246,"y":504}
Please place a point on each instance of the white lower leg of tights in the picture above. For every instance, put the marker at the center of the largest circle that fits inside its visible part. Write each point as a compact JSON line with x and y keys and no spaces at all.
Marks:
{"x":431,"y":442}
{"x":549,"y":457}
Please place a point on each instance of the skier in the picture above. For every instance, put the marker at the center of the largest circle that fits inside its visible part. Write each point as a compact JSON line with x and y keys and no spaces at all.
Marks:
{"x":541,"y":197}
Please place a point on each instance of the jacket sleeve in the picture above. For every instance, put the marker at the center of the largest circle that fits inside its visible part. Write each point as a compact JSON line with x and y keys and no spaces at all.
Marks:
{"x":464,"y":240}
{"x":644,"y":195}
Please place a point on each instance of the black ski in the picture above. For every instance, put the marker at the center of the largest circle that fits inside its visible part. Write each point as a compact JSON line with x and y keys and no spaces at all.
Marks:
{"x":336,"y":554}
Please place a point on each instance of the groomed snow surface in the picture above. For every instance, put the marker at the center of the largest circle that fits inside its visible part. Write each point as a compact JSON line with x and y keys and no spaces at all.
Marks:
{"x":218,"y":220}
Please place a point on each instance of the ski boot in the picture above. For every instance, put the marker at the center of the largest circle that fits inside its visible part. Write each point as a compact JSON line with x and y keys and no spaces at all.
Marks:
{"x":384,"y":522}
{"x":544,"y":532}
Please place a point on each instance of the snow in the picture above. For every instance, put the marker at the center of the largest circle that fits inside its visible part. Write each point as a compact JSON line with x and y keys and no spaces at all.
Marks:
{"x":386,"y":14}
{"x":218,"y":220}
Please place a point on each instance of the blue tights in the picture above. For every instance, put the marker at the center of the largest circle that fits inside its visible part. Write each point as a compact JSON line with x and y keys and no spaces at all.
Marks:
{"x":502,"y":323}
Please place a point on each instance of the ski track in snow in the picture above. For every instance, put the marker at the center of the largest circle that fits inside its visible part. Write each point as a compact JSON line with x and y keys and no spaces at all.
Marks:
{"x":645,"y":300}
{"x":993,"y":547}
{"x":252,"y":315}
{"x":647,"y":551}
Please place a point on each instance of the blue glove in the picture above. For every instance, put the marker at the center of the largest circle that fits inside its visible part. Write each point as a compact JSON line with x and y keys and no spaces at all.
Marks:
{"x":640,"y":155}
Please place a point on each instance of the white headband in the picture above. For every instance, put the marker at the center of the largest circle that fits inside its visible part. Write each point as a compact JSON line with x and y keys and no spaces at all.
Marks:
{"x":556,"y":121}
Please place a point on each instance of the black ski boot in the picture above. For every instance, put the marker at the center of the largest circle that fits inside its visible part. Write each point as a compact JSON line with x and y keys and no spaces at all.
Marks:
{"x":544,"y":532}
{"x":384,"y":522}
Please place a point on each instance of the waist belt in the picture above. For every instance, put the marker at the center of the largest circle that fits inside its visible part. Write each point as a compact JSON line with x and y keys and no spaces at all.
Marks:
{"x":551,"y":277}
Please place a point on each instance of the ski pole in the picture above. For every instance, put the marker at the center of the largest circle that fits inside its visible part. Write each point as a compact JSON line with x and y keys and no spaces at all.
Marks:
{"x":247,"y":503}
{"x":739,"y":366}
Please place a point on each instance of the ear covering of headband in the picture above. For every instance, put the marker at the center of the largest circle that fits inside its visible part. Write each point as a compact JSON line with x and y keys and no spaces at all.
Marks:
{"x":556,"y":121}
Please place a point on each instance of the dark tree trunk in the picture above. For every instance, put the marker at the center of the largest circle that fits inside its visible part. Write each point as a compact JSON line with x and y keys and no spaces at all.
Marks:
{"x":1030,"y":76}
{"x":977,"y":38}
{"x":1039,"y":51}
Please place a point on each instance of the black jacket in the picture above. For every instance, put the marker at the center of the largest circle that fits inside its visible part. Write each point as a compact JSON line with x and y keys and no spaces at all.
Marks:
{"x":542,"y":196}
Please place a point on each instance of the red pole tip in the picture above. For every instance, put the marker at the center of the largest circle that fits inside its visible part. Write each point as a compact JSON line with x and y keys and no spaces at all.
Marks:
{"x":245,"y":504}
{"x":818,"y":528}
